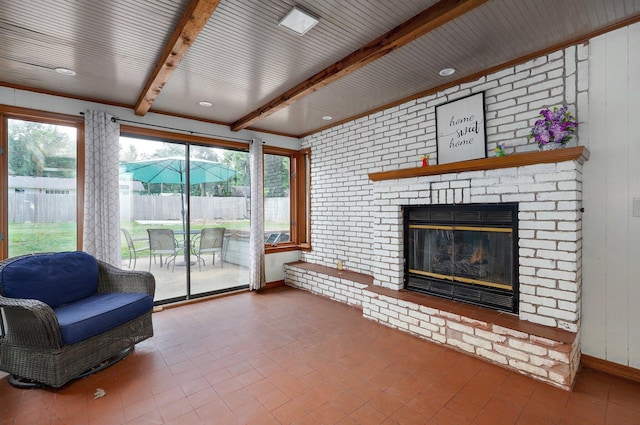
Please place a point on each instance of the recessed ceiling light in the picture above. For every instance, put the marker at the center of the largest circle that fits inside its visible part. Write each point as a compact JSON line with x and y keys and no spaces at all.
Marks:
{"x":205,"y":103}
{"x":66,"y":71}
{"x":445,"y":72}
{"x":327,"y":118}
{"x":298,"y":20}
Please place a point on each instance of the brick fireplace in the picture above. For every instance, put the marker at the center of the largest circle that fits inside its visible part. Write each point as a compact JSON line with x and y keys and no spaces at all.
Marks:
{"x":543,"y":339}
{"x":548,"y":190}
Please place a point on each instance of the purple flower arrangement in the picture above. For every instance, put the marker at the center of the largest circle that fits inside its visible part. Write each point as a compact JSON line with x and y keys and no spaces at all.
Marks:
{"x":555,"y":126}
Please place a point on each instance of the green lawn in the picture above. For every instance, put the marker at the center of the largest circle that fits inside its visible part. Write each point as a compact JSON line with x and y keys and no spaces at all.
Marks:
{"x":27,"y":238}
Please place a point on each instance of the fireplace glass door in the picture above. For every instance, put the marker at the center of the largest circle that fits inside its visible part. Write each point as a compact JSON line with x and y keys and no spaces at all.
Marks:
{"x":475,"y":255}
{"x":463,"y":252}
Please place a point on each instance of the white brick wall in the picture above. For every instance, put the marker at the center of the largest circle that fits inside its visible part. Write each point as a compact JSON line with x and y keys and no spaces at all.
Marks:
{"x":358,"y":221}
{"x":342,"y":220}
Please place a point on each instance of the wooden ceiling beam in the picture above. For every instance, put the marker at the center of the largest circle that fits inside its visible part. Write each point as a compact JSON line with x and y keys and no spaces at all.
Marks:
{"x":428,"y":20}
{"x":193,"y":20}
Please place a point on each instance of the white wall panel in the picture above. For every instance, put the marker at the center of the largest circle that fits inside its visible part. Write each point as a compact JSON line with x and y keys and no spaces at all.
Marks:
{"x":616,"y":190}
{"x":594,"y":268}
{"x":634,"y":192}
{"x":611,"y":325}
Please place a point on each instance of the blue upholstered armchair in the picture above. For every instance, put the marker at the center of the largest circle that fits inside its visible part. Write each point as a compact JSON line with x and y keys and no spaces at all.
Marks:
{"x":64,"y":314}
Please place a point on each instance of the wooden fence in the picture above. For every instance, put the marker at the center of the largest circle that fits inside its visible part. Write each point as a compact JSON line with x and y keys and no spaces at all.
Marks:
{"x":56,"y":208}
{"x":41,"y":208}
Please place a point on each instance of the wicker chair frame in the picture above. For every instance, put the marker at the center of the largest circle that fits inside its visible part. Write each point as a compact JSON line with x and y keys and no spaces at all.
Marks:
{"x":31,"y":344}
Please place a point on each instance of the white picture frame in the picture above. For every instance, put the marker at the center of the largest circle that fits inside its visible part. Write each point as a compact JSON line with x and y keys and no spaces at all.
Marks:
{"x":461,"y":129}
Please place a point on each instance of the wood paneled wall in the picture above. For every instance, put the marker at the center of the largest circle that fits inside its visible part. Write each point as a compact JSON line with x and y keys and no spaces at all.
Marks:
{"x":610,"y":129}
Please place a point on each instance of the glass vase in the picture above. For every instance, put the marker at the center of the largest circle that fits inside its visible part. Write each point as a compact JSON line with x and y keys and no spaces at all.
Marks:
{"x":550,"y":146}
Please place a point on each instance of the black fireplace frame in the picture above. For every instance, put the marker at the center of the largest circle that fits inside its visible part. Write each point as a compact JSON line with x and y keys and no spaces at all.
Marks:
{"x":495,"y":215}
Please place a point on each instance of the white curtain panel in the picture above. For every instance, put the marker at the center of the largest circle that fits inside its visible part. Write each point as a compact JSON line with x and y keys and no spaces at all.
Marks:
{"x":101,"y":234}
{"x":256,"y":242}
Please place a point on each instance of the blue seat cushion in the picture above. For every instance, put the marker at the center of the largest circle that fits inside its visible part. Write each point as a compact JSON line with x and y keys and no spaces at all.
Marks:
{"x":55,"y":279}
{"x":98,"y":313}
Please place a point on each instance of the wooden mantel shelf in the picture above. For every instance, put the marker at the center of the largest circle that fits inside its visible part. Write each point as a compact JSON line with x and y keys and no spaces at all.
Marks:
{"x":579,"y":153}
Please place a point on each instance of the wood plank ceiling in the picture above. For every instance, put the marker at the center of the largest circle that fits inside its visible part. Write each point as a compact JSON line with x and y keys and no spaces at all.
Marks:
{"x":168,"y":55}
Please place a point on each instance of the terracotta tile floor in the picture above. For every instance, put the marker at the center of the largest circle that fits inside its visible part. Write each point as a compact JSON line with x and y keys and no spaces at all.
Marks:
{"x":290,"y":357}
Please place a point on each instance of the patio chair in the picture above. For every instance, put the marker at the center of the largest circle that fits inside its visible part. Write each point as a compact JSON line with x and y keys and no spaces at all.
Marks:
{"x":163,"y":242}
{"x":133,"y":250}
{"x":211,"y":241}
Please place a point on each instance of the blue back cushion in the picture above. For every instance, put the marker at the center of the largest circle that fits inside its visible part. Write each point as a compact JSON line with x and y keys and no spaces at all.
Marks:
{"x":55,"y":279}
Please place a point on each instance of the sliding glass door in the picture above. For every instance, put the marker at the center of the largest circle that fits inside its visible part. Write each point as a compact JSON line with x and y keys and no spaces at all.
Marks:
{"x":219,"y":219}
{"x":184,"y":216}
{"x":152,"y":210}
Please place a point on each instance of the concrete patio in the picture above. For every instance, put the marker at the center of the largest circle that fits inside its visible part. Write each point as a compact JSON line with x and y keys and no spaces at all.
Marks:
{"x":171,"y":282}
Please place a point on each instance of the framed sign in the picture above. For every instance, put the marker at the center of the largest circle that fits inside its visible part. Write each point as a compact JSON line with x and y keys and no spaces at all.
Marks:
{"x":461,"y":129}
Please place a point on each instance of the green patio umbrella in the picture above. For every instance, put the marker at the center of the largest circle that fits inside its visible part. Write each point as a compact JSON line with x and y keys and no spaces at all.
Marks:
{"x":174,"y":169}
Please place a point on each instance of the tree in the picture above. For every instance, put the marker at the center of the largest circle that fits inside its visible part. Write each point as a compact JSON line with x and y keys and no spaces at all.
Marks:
{"x":276,"y":172}
{"x":131,"y":154}
{"x":169,"y":150}
{"x":204,"y":152}
{"x":238,"y":162}
{"x":35,"y":147}
{"x":276,"y":175}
